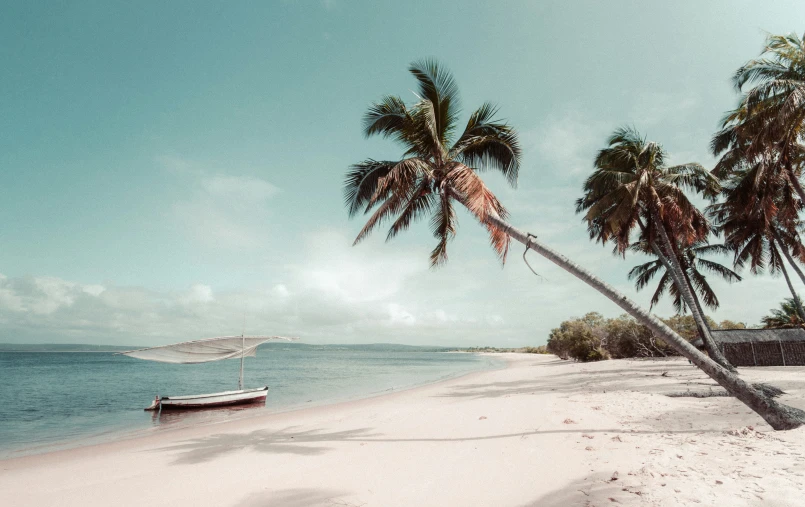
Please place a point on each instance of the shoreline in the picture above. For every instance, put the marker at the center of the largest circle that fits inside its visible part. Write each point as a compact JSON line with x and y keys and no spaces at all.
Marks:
{"x":539,"y":432}
{"x":114,"y":435}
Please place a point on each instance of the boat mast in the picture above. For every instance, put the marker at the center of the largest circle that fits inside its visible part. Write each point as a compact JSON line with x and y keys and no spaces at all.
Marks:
{"x":242,"y":346}
{"x":240,"y":379}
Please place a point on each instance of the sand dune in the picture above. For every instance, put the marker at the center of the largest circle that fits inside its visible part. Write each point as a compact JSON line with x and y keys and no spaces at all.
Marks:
{"x":542,"y":432}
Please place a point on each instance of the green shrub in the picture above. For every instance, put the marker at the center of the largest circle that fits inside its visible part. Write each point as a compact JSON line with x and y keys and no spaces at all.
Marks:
{"x":542,"y":349}
{"x":579,"y":339}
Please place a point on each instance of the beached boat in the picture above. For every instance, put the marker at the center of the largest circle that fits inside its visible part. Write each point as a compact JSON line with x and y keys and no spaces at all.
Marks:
{"x":205,"y":351}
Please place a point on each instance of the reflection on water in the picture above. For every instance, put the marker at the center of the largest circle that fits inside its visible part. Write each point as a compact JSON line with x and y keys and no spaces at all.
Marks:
{"x":173,"y":418}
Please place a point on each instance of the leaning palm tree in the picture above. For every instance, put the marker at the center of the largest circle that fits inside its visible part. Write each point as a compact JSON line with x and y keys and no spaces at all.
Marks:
{"x":694,"y":265}
{"x":488,"y":145}
{"x":632,"y":188}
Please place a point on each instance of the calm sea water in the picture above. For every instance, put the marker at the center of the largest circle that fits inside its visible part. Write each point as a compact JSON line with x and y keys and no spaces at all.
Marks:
{"x":56,"y":400}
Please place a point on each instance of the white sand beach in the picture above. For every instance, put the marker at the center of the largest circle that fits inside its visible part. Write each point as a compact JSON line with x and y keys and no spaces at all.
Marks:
{"x":542,"y":432}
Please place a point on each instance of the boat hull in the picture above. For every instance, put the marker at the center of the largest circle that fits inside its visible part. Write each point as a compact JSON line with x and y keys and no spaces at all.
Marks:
{"x":223,"y":399}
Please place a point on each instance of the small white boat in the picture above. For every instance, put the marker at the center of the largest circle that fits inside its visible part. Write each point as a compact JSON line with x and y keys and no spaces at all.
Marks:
{"x":226,"y":398}
{"x":205,"y":351}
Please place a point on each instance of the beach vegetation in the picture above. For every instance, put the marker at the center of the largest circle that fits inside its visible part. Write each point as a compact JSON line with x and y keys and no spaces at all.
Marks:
{"x":593,"y":338}
{"x":786,"y":316}
{"x":541,"y":349}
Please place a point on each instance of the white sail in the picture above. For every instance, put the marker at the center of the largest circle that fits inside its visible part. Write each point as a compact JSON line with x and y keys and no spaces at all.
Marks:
{"x":204,"y":351}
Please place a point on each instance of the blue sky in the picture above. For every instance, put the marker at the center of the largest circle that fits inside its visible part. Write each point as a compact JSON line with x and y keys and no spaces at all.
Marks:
{"x":166,"y":167}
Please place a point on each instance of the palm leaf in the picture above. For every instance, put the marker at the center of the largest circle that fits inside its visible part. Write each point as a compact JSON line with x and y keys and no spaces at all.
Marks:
{"x":437,"y":86}
{"x":443,"y":225}
{"x":361,"y":183}
{"x":421,"y":203}
{"x":488,"y":144}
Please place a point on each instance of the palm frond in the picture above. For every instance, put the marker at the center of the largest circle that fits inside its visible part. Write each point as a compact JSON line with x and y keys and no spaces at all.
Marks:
{"x":665,"y":283}
{"x":421,"y":203}
{"x":443,"y":225}
{"x":481,"y":202}
{"x":388,"y":117}
{"x":436,"y":85}
{"x":702,"y":287}
{"x":643,"y":273}
{"x":489,"y":144}
{"x":718,"y":269}
{"x":361,"y":183}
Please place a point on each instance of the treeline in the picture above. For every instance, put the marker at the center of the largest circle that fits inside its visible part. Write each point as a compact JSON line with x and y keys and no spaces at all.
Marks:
{"x":593,"y":338}
{"x":542,"y":349}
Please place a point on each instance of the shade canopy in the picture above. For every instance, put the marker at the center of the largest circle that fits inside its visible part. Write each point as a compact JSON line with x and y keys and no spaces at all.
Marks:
{"x":204,"y":351}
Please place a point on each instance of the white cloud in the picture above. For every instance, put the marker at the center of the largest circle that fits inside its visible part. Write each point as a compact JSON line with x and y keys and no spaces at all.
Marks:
{"x":280,"y":291}
{"x":332,"y":293}
{"x":399,"y":315}
{"x":198,"y":293}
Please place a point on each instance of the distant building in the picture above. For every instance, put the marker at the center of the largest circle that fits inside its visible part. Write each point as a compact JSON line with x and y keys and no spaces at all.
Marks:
{"x":760,"y":347}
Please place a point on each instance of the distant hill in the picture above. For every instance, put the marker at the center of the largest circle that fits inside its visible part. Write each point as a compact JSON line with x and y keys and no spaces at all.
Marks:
{"x":60,"y":347}
{"x":79,"y":347}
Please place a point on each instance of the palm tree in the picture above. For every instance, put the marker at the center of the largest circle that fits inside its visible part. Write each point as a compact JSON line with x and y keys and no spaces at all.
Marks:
{"x":771,"y":116}
{"x":435,"y":167}
{"x":693,"y":264}
{"x":744,"y":146}
{"x":759,"y":144}
{"x":370,"y":184}
{"x":757,"y":240}
{"x":760,"y":184}
{"x":786,"y":316}
{"x":632,"y":187}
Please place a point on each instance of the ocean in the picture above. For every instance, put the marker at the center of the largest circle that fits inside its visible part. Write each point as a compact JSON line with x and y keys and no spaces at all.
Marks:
{"x":58,"y":400}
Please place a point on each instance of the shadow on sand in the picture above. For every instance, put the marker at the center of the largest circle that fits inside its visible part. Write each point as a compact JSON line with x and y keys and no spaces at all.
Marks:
{"x":593,"y":490}
{"x":286,"y":441}
{"x":300,"y":497}
{"x":307,"y":443}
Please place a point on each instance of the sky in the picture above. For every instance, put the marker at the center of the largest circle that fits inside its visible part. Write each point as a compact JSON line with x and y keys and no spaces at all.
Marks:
{"x":173,"y":170}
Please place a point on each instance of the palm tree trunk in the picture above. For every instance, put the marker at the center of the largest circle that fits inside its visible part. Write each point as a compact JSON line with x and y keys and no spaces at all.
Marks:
{"x":788,"y":255}
{"x":779,"y":416}
{"x":797,"y":302}
{"x":699,"y":306}
{"x":672,"y":265}
{"x":800,"y":311}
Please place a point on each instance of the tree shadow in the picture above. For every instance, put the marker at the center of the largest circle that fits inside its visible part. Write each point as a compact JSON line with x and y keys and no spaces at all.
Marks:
{"x":289,"y":442}
{"x":659,"y":377}
{"x":298,"y":497}
{"x":285,"y":441}
{"x":572,"y":384}
{"x":593,"y":490}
